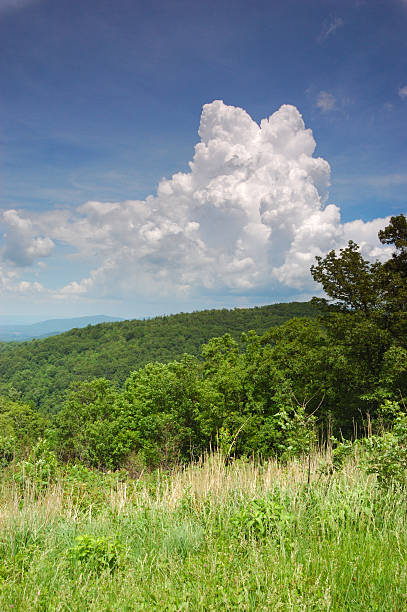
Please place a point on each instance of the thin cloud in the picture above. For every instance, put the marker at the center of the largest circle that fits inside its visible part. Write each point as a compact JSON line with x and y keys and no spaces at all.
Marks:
{"x":330,"y":28}
{"x":325,"y":101}
{"x":403,"y":92}
{"x":10,"y":5}
{"x":377,"y":180}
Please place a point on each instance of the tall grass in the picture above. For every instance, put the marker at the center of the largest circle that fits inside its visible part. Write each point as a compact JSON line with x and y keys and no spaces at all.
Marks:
{"x":211,"y":536}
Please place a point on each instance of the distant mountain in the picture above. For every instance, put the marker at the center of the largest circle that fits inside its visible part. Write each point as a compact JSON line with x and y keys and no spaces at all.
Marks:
{"x":42,"y":370}
{"x":51,"y":327}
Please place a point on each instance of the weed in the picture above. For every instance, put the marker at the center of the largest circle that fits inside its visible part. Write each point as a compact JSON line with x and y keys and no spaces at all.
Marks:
{"x":260,"y":517}
{"x":97,"y":554}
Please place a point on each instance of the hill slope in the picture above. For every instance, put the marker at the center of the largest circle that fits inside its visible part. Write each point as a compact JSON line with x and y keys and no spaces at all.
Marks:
{"x":51,"y":327}
{"x":42,"y":370}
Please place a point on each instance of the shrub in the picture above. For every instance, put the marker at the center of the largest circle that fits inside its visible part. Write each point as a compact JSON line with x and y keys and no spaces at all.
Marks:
{"x":259,"y":517}
{"x":41,"y":466}
{"x":386,"y":454}
{"x":341,"y":452}
{"x":7,"y":449}
{"x":97,"y":554}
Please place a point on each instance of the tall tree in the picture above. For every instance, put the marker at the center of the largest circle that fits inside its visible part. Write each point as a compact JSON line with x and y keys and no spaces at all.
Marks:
{"x":394,"y":272}
{"x":376,"y":290}
{"x":396,"y":234}
{"x":352,"y":283}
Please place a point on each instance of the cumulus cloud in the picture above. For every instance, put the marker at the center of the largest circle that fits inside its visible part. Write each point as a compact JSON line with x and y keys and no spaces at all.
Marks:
{"x":250,"y":215}
{"x":22,"y":246}
{"x":403,"y":92}
{"x":11,"y":284}
{"x":365,"y":235}
{"x":325,"y":101}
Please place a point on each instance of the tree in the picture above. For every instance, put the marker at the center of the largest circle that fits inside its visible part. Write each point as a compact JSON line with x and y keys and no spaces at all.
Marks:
{"x":367,"y":316}
{"x":394,"y":274}
{"x":163,"y":405}
{"x":20,"y":428}
{"x":396,"y":234}
{"x":356,"y":285}
{"x":350,"y":280}
{"x":87,"y":427}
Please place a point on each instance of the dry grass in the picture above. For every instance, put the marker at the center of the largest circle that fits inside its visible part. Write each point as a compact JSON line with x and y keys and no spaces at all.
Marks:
{"x":182,"y":549}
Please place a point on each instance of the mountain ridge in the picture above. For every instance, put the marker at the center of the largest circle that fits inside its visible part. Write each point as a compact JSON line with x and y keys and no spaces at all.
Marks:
{"x":41,"y":370}
{"x":49,"y":327}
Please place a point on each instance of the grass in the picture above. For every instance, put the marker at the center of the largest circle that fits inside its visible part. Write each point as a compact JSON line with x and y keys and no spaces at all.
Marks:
{"x":207,"y":537}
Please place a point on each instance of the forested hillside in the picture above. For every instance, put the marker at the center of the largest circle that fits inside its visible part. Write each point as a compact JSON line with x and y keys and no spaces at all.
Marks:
{"x":40,"y":371}
{"x":138,"y":394}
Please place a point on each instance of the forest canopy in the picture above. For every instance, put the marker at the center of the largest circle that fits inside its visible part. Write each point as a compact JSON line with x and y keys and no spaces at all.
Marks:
{"x":41,"y":371}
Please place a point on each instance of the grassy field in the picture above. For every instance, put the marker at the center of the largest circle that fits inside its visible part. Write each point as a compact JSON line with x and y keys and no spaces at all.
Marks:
{"x":208,"y":537}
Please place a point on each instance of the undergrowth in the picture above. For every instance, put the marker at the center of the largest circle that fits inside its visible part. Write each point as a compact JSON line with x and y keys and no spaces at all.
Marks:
{"x":211,"y":536}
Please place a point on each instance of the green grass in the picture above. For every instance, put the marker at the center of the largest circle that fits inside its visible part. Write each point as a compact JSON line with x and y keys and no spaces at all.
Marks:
{"x":207,"y":537}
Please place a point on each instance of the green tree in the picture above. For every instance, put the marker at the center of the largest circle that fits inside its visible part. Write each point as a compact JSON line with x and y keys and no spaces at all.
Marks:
{"x":396,"y":234}
{"x":20,"y":428}
{"x":367,"y":316}
{"x":161,"y":404}
{"x":356,"y":285}
{"x":394,"y":277}
{"x":87,"y":428}
{"x":352,"y":282}
{"x":257,"y":411}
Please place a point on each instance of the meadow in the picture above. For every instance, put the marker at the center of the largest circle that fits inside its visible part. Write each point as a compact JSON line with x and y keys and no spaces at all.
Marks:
{"x":214,"y":535}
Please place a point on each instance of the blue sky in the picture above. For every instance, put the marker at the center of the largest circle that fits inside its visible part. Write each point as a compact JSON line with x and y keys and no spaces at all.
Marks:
{"x":100,"y":100}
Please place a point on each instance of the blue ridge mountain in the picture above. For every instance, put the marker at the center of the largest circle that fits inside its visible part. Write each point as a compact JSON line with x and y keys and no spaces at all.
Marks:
{"x":50,"y":327}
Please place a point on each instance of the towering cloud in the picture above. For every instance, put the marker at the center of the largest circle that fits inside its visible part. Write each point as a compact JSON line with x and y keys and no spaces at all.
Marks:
{"x":251,"y":214}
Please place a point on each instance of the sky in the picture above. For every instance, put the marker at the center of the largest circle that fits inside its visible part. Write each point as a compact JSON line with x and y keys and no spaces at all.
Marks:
{"x":165,"y":156}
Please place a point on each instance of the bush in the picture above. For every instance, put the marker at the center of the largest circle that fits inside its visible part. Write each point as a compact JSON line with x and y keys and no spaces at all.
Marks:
{"x":386,"y":454}
{"x":7,"y":450}
{"x":260,"y":517}
{"x":41,"y":466}
{"x":97,"y":554}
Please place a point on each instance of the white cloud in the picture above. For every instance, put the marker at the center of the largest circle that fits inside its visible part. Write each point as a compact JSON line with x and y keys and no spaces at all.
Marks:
{"x":10,"y":283}
{"x":250,"y":215}
{"x":403,"y":92}
{"x":325,"y":101}
{"x":22,"y":245}
{"x":365,"y":235}
{"x":330,"y":27}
